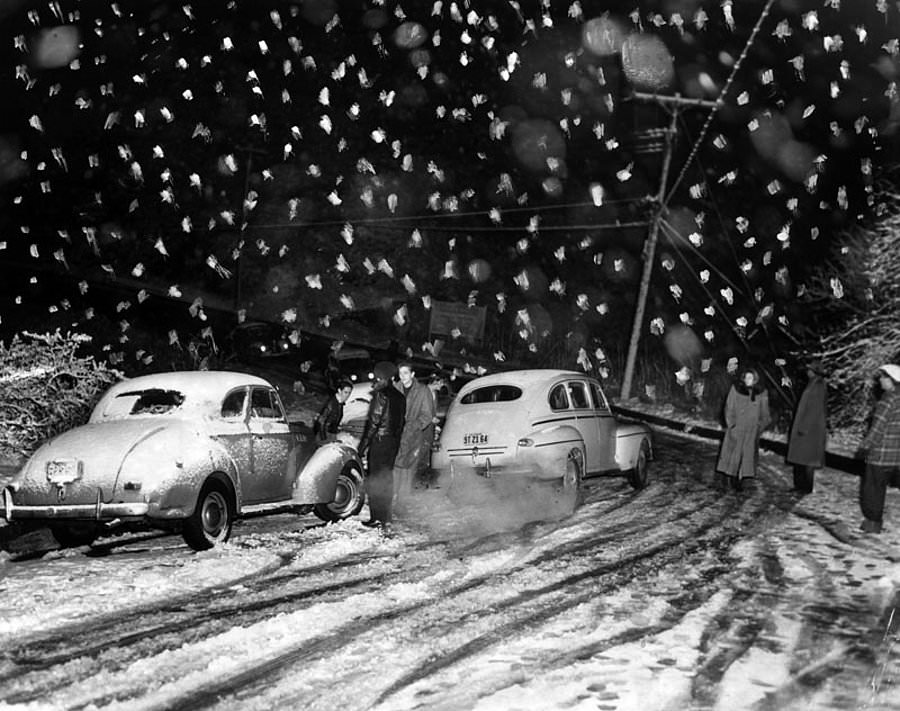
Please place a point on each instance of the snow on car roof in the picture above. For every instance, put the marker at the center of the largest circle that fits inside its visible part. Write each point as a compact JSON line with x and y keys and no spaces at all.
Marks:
{"x":211,"y":383}
{"x":522,"y":378}
{"x":203,"y":389}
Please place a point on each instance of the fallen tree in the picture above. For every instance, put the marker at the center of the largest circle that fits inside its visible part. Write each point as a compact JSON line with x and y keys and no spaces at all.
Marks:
{"x":46,"y":387}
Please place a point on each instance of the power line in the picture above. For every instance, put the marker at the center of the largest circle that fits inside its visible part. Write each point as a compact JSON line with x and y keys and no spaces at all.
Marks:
{"x":472,"y":228}
{"x":721,"y":99}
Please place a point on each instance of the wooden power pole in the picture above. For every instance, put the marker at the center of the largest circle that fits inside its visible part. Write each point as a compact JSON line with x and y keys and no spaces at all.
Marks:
{"x":649,"y":253}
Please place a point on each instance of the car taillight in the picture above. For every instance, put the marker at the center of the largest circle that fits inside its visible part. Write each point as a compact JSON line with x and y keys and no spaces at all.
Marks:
{"x":525,"y":442}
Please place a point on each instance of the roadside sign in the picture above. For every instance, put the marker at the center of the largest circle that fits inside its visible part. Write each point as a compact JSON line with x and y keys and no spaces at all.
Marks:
{"x":459,"y":320}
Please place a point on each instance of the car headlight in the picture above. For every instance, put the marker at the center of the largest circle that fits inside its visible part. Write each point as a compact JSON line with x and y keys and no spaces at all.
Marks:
{"x":525,"y":442}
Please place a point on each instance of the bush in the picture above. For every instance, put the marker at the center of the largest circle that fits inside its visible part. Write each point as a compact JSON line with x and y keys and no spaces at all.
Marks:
{"x":46,"y":387}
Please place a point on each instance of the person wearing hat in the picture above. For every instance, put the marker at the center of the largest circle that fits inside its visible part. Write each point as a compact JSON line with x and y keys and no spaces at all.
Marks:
{"x":806,"y":443}
{"x":881,"y":449}
{"x":380,"y":440}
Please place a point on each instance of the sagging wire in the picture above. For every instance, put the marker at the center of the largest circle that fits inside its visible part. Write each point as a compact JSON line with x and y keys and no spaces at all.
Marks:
{"x":743,"y":341}
{"x":720,"y":100}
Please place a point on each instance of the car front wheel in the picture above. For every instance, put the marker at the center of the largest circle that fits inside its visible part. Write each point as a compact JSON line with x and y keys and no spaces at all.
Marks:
{"x":638,"y":476}
{"x":212,"y":518}
{"x":349,"y":496}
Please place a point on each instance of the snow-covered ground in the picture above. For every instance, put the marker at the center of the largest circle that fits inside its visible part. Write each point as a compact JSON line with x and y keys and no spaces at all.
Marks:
{"x":680,"y":596}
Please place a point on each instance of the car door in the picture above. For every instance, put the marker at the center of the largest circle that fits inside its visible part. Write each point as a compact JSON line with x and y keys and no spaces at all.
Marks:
{"x":606,"y":428}
{"x":232,"y":430}
{"x":585,"y":421}
{"x":271,"y":441}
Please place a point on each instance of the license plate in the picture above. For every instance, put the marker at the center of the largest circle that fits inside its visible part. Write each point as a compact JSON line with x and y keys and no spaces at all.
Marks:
{"x":63,"y":471}
{"x":475,"y":438}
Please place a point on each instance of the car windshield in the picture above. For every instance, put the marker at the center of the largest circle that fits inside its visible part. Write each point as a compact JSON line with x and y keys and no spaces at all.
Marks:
{"x":492,"y":393}
{"x":154,"y":401}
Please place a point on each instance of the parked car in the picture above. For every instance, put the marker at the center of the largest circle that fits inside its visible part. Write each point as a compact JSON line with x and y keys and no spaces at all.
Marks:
{"x":258,"y":339}
{"x":550,"y":426}
{"x":182,"y":450}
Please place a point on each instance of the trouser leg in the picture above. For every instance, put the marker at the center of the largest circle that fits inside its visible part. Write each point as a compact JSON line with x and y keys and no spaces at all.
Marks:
{"x":380,"y":483}
{"x":804,"y":477}
{"x":872,"y":490}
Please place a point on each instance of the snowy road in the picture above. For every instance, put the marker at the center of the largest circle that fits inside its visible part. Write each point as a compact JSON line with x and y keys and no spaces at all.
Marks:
{"x":677,"y":597}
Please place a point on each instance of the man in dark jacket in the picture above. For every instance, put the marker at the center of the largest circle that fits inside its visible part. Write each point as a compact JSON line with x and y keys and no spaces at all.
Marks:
{"x":380,"y":440}
{"x":806,"y":445}
{"x":881,"y":449}
{"x":329,"y":418}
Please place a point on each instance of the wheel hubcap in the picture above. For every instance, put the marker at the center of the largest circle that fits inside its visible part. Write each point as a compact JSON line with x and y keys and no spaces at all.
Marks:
{"x":342,"y":495}
{"x":215,"y":514}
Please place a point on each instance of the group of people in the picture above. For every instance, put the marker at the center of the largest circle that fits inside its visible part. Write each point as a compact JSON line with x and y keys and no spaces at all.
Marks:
{"x":399,"y":433}
{"x":747,"y":414}
{"x":397,"y":436}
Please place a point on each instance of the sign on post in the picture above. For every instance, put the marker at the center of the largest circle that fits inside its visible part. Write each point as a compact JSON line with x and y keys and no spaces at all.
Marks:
{"x":457,"y":320}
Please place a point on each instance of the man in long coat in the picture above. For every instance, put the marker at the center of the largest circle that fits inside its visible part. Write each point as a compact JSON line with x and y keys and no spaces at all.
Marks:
{"x":746,"y":416}
{"x":414,"y":455}
{"x":806,"y":444}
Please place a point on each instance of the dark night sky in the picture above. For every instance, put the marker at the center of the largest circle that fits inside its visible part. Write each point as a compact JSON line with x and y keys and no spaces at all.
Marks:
{"x":447,"y":150}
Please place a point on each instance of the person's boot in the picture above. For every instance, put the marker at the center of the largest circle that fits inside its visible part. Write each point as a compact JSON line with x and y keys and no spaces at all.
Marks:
{"x":870,"y":526}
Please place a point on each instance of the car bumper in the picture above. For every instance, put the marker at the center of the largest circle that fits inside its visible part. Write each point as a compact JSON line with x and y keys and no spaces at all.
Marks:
{"x":97,"y":511}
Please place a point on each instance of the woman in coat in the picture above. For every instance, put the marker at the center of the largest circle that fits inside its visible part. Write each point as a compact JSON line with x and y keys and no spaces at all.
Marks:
{"x":806,"y":445}
{"x":746,"y":416}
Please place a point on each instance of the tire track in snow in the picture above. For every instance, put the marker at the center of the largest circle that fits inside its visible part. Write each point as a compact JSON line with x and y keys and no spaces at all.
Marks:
{"x":91,"y":638}
{"x":622,"y":569}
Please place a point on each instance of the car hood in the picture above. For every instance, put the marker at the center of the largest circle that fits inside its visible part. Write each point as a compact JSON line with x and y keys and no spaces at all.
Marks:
{"x":100,"y":448}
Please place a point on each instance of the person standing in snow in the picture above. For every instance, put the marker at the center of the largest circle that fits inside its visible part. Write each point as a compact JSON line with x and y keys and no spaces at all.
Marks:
{"x":881,"y":449}
{"x":746,"y":416}
{"x":380,"y":440}
{"x":414,"y":455}
{"x":806,"y":444}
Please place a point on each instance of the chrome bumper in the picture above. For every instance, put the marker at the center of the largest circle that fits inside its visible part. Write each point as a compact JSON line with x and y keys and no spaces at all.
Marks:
{"x":98,"y":511}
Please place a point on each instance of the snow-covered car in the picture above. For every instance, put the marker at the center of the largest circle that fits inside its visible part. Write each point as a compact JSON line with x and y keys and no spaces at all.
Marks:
{"x":189,"y":451}
{"x":553,"y":426}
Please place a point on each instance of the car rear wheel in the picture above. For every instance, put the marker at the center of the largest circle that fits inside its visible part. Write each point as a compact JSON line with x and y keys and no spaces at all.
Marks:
{"x":638,"y":476}
{"x":72,"y":535}
{"x":212,"y":518}
{"x":349,"y":496}
{"x":571,"y":492}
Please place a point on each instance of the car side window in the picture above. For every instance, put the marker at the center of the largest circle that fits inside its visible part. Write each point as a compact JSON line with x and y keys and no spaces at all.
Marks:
{"x":264,"y":404}
{"x":558,"y":399}
{"x":599,"y":398}
{"x":578,"y":395}
{"x":233,"y":405}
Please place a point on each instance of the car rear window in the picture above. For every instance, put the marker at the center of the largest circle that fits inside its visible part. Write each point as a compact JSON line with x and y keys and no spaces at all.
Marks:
{"x":151,"y":402}
{"x":492,"y":393}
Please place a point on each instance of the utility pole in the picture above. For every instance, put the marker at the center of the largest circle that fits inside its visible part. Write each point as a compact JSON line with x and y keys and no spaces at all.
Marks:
{"x":649,"y":252}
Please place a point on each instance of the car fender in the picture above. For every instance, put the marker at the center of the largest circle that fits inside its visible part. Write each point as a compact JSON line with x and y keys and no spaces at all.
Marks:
{"x":316,"y":481}
{"x":630,"y":437}
{"x":174,"y":493}
{"x":550,"y":448}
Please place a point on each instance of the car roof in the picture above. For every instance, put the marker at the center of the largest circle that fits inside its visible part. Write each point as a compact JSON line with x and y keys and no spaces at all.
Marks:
{"x":523,"y":378}
{"x":205,"y":384}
